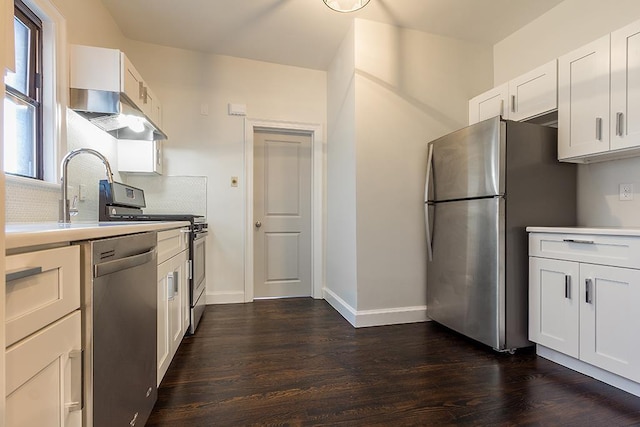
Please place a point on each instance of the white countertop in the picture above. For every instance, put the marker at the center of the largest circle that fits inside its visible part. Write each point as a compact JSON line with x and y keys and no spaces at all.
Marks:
{"x":610,"y":231}
{"x":19,"y":235}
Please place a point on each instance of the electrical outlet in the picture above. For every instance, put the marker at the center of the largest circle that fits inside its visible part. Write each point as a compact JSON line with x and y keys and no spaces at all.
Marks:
{"x":626,"y":192}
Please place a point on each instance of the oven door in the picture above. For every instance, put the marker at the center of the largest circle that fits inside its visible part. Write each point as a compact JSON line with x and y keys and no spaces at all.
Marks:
{"x":198,"y":282}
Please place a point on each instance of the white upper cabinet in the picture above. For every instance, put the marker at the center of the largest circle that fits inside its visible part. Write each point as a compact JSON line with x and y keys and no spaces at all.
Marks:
{"x":534,"y":93}
{"x":599,"y":98}
{"x":140,"y":156}
{"x":625,"y":87}
{"x":489,"y":104}
{"x":583,"y":100}
{"x":529,"y":95}
{"x":133,"y":85}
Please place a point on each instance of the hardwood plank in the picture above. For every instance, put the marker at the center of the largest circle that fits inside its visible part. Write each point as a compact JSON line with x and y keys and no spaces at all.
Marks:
{"x":298,"y":362}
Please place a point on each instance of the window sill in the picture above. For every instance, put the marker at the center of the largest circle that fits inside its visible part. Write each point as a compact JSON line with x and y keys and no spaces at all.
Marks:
{"x":30,"y":182}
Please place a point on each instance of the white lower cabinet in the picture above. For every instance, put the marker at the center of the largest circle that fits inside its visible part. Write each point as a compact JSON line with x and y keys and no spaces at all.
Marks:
{"x":173,"y":276}
{"x":609,"y":318}
{"x":44,"y":346}
{"x":583,"y":303}
{"x":44,"y":374}
{"x":553,"y":305}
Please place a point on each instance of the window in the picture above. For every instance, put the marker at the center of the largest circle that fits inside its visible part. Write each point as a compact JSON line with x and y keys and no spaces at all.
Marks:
{"x":23,"y":148}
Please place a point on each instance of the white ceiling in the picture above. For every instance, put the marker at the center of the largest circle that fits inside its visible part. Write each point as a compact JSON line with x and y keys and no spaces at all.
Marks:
{"x":306,"y":33}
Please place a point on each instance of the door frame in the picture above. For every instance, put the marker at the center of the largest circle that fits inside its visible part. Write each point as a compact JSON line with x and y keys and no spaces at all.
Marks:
{"x":317,"y":198}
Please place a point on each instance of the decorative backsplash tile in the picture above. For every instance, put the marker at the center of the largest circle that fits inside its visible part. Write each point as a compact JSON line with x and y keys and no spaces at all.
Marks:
{"x":29,"y":200}
{"x":172,"y":194}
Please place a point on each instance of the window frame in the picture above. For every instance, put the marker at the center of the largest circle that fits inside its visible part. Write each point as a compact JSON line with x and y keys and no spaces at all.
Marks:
{"x":35,"y":82}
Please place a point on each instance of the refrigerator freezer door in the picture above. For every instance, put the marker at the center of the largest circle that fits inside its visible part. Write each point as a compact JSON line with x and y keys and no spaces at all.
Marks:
{"x":465,"y":280}
{"x":468,"y":163}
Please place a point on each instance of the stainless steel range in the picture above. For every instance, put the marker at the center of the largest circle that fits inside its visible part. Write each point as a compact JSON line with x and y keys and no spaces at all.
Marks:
{"x":121,"y":202}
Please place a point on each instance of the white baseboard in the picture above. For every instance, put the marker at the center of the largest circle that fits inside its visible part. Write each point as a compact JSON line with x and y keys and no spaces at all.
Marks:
{"x":378,"y":317}
{"x":340,"y":306}
{"x":225,"y":297}
{"x":587,"y":369}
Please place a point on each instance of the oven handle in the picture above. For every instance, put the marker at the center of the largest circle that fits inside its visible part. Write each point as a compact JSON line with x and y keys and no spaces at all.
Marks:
{"x":199,"y":235}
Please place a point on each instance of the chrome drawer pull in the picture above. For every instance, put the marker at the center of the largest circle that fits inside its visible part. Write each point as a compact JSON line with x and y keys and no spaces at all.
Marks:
{"x":567,"y":286}
{"x":586,"y":242}
{"x":21,"y":274}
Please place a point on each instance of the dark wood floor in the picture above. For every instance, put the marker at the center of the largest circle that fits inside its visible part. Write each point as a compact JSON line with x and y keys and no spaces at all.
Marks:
{"x":298,"y":362}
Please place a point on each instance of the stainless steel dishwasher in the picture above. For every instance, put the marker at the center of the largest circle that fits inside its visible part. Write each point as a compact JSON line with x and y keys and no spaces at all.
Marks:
{"x":119,"y":329}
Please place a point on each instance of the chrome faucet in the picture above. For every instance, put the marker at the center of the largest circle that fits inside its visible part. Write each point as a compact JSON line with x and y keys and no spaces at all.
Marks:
{"x":65,"y":215}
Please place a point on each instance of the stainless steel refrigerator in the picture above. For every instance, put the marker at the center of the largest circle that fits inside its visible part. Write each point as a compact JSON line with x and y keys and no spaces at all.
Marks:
{"x":485,"y":184}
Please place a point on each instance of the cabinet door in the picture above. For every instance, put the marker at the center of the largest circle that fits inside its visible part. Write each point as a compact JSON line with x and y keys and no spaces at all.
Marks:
{"x":171,"y":296}
{"x":132,"y":84}
{"x":140,"y":156}
{"x":176,"y":302}
{"x":44,"y":374}
{"x":625,"y":87}
{"x":553,"y":304}
{"x":164,"y":344}
{"x":583,"y":100}
{"x":489,"y":104}
{"x":609,"y":318}
{"x":186,"y":303}
{"x":534,"y":93}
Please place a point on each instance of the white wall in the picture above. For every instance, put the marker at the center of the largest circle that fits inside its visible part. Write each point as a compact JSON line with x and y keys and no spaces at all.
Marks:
{"x":341,"y":275}
{"x":212,"y":145}
{"x":410,"y":87}
{"x":568,"y":26}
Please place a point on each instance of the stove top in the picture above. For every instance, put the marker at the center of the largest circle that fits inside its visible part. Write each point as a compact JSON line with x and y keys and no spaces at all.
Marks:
{"x":121,"y":202}
{"x":193,"y":219}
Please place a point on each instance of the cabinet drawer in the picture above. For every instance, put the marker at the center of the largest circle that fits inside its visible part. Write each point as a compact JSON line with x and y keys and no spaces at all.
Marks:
{"x":172,"y":242}
{"x":49,"y":289}
{"x":617,"y":251}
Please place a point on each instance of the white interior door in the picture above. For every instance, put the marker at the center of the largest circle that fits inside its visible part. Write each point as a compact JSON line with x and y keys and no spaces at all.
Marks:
{"x":282,"y":214}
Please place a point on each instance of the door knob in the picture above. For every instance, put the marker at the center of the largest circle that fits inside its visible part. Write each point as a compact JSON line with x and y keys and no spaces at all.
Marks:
{"x":258,"y":224}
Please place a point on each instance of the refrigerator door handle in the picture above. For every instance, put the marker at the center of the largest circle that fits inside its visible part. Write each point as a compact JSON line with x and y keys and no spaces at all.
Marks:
{"x":426,"y":203}
{"x":428,"y":232}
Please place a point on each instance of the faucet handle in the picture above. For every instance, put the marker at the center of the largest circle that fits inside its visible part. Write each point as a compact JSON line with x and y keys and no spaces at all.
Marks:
{"x":73,"y":209}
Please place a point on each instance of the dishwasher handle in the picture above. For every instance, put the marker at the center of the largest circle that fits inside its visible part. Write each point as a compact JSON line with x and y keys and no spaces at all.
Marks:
{"x":124,"y":263}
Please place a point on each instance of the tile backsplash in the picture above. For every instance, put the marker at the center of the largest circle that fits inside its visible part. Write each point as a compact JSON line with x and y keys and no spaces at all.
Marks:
{"x":172,"y":194}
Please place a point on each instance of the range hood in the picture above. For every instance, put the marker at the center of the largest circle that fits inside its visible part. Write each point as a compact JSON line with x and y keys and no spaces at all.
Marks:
{"x":114,"y":113}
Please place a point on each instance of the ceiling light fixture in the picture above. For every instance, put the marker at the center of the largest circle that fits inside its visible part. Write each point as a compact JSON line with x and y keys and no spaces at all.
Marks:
{"x":346,"y":5}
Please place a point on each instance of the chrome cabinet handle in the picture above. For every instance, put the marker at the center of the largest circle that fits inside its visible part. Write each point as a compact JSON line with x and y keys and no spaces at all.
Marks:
{"x":171,"y":286}
{"x":567,"y":286}
{"x":141,"y":90}
{"x":23,"y":273}
{"x":176,"y":283}
{"x":588,"y":291}
{"x":258,"y":224}
{"x":77,"y":386}
{"x":513,"y":103}
{"x":599,"y":128}
{"x":619,"y":123}
{"x":502,"y":107}
{"x":586,"y":242}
